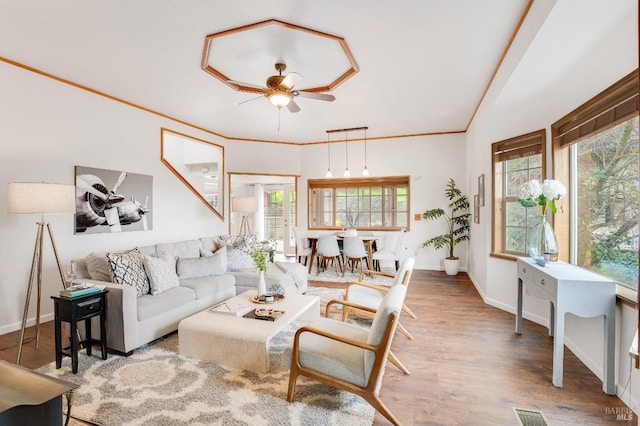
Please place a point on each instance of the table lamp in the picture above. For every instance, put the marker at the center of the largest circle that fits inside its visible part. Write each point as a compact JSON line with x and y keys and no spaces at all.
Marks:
{"x":244,"y":205}
{"x":39,"y":198}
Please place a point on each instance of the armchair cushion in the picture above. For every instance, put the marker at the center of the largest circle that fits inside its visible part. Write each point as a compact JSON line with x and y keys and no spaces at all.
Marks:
{"x":328,"y":356}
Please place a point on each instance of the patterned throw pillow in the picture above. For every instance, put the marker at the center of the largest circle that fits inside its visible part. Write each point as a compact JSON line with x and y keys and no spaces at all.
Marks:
{"x":237,"y":260}
{"x":161,"y":272}
{"x":128,"y":268}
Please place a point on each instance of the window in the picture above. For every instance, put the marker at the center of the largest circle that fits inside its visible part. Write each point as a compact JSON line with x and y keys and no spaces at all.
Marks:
{"x":596,"y":153}
{"x":362,"y":203}
{"x":515,"y":161}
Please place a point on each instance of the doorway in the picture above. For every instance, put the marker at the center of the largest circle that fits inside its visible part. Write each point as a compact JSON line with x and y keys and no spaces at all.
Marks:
{"x":276,"y":214}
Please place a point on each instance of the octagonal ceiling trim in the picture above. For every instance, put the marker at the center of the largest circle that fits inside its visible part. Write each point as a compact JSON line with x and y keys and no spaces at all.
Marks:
{"x":210,"y":69}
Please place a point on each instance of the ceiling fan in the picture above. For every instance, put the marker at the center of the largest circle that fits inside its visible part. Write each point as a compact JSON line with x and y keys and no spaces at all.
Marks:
{"x":279,"y":89}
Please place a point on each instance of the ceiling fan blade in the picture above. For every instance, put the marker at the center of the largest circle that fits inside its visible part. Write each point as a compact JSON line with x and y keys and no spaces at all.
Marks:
{"x":252,"y":99}
{"x":314,"y":95}
{"x":290,"y":80}
{"x":248,"y":87}
{"x":292,"y":106}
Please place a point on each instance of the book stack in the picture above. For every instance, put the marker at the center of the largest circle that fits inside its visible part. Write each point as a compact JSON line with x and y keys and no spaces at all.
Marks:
{"x":82,"y":289}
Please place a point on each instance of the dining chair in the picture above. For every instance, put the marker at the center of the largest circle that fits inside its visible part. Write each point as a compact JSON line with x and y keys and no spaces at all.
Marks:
{"x":302,"y":245}
{"x":354,"y":251}
{"x":390,"y":249}
{"x":347,"y":356}
{"x":327,"y":249}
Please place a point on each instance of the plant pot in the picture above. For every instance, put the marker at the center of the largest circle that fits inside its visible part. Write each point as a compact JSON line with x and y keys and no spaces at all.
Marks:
{"x":451,"y":266}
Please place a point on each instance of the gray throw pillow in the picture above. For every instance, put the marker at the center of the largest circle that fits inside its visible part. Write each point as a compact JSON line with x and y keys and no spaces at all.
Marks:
{"x":98,"y":266}
{"x":197,"y":267}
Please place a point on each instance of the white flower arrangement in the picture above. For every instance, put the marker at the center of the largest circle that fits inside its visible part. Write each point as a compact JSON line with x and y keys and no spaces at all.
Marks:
{"x":533,"y":194}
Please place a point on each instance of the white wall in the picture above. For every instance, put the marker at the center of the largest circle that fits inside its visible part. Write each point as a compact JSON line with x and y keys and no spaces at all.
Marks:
{"x":498,"y":120}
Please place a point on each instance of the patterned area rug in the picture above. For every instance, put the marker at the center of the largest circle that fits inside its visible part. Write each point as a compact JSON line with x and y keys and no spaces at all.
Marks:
{"x":158,"y":386}
{"x":330,"y":275}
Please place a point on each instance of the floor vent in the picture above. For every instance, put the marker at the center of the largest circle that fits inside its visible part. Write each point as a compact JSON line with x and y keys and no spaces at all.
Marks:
{"x":530,"y":417}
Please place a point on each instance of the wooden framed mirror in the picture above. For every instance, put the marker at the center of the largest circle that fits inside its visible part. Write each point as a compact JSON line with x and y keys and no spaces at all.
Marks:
{"x":199,"y":164}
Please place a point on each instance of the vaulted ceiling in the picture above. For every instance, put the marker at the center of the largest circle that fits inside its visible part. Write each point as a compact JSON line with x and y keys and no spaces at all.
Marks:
{"x":423,"y":65}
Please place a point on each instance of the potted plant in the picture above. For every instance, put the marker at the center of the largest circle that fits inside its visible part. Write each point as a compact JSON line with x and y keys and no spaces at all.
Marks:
{"x":457,"y":217}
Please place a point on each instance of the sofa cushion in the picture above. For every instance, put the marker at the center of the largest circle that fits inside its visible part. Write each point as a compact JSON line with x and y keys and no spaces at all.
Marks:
{"x":208,"y":286}
{"x":189,"y":248}
{"x":148,"y":250}
{"x":128,"y":268}
{"x":196,"y":267}
{"x":161,"y":272}
{"x":150,"y":306}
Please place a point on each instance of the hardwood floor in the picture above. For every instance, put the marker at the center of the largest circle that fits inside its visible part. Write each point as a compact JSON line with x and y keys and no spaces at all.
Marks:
{"x":467,"y":365}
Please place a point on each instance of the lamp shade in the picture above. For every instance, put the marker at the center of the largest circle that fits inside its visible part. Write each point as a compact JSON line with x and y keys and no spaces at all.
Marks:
{"x":40,"y":197}
{"x":244,"y":204}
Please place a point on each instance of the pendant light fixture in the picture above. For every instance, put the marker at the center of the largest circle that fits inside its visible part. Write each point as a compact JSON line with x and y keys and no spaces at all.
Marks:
{"x":328,"y":174}
{"x":365,"y":172}
{"x":347,"y":173}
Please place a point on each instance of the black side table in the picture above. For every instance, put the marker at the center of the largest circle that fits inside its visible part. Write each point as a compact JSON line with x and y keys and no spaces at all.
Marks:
{"x":72,"y":311}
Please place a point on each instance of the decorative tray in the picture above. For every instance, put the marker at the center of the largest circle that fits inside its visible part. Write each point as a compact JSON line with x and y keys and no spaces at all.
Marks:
{"x":261,"y":299}
{"x":264,"y":314}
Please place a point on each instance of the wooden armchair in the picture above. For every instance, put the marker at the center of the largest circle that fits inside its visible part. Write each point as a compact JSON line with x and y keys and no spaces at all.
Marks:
{"x":347,"y":356}
{"x":370,"y":295}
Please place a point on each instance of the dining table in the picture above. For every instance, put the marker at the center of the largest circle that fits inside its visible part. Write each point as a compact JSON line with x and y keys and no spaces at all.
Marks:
{"x":367,"y":240}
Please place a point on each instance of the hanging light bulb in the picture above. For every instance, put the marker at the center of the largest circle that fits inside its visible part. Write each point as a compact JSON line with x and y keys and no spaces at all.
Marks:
{"x":365,"y":172}
{"x":347,"y":173}
{"x":328,"y":174}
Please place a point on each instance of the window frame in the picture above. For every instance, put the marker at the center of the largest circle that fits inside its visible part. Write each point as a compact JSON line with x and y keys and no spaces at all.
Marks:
{"x":612,"y":106}
{"x":357,"y":182}
{"x":519,"y":146}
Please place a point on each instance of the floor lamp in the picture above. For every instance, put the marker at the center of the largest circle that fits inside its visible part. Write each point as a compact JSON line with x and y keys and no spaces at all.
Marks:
{"x":39,"y":198}
{"x":244,"y":205}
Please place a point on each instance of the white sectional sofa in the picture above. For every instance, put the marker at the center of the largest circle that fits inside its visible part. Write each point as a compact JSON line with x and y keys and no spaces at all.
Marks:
{"x":134,"y":319}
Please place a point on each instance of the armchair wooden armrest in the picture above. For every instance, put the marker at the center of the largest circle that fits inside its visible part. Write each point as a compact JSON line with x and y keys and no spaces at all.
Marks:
{"x":369,"y":285}
{"x":346,"y":303}
{"x":372,"y":272}
{"x":323,"y":333}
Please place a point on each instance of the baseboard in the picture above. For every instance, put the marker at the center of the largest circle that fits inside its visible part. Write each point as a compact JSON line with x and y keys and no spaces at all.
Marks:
{"x":30,"y":321}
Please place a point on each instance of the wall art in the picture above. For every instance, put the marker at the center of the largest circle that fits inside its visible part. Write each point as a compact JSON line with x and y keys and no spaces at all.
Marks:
{"x":112,"y":201}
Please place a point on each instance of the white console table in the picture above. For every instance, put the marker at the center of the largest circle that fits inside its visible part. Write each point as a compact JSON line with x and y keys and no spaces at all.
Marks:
{"x":572,"y":289}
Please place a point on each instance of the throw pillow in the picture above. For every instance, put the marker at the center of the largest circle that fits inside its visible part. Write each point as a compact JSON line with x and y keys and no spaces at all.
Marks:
{"x":161,"y":272}
{"x":197,"y":267}
{"x":98,"y":267}
{"x":237,"y":260}
{"x":222,"y":252}
{"x":128,"y":268}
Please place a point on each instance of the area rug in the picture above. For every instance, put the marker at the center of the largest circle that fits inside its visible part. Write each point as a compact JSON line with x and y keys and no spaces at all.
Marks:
{"x":330,"y":275}
{"x":158,"y":386}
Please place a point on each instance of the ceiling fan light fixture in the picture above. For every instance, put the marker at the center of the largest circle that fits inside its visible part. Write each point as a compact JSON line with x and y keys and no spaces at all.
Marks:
{"x":280,"y":99}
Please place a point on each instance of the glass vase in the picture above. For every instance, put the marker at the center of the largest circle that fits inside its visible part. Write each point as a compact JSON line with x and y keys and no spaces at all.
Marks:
{"x":543,"y":244}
